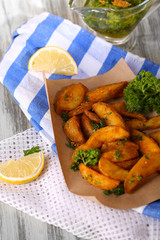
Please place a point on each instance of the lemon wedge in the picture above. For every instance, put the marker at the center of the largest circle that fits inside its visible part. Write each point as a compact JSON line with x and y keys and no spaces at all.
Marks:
{"x":52,"y":59}
{"x":24,"y":170}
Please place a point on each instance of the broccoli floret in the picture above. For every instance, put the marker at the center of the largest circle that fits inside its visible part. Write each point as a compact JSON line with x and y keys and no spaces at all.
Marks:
{"x":89,"y":157}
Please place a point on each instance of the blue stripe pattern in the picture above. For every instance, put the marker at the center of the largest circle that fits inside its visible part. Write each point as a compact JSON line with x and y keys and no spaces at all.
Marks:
{"x":37,"y":40}
{"x":153,"y":209}
{"x":150,"y":65}
{"x":113,"y":57}
{"x":39,"y":102}
{"x":82,"y":45}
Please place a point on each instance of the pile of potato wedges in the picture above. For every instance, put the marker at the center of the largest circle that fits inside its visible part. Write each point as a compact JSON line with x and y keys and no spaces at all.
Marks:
{"x":127,"y":153}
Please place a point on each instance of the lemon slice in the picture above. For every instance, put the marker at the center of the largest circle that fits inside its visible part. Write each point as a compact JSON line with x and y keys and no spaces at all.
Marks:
{"x":53,"y":59}
{"x":24,"y":170}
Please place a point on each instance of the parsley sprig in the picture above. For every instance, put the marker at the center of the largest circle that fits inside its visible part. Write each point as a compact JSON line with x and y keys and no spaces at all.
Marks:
{"x":142,"y":94}
{"x":32,"y":150}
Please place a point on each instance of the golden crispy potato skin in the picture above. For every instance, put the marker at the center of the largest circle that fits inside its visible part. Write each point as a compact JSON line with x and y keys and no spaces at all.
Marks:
{"x":111,"y":170}
{"x":73,"y":131}
{"x":145,"y":143}
{"x":80,"y":109}
{"x":106,"y":147}
{"x":105,"y":111}
{"x":136,"y":124}
{"x":97,"y":179}
{"x":128,"y":164}
{"x":145,"y":167}
{"x":152,"y":123}
{"x":86,"y":126}
{"x":106,"y":134}
{"x":106,"y":92}
{"x":120,"y":107}
{"x":70,"y":98}
{"x":92,"y":116}
{"x":156,"y":136}
{"x":122,"y":154}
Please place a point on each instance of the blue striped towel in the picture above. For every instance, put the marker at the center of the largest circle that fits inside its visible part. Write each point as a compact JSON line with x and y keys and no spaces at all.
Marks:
{"x":92,"y":54}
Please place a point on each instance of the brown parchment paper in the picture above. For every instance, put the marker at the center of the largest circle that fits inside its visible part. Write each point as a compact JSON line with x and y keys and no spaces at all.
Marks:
{"x":146,"y":192}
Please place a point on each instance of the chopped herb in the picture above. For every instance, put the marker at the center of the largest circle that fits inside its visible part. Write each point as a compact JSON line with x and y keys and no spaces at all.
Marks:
{"x":64,"y":116}
{"x":107,"y":95}
{"x":89,"y":157}
{"x":86,"y":97}
{"x":116,"y":191}
{"x":70,"y":144}
{"x":66,"y":97}
{"x":108,"y":113}
{"x":102,"y":123}
{"x":139,"y":177}
{"x":138,"y":136}
{"x":95,"y":126}
{"x":117,"y":154}
{"x":123,"y":141}
{"x":146,"y":157}
{"x":88,"y":176}
{"x":96,"y":182}
{"x":74,"y":167}
{"x":32,"y":150}
{"x":131,"y":181}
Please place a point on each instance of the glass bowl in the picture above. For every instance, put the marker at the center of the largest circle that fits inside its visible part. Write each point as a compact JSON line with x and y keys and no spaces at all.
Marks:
{"x":115,"y":25}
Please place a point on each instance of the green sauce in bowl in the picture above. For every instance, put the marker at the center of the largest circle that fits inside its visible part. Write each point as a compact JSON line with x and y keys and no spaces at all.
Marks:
{"x":112,"y":20}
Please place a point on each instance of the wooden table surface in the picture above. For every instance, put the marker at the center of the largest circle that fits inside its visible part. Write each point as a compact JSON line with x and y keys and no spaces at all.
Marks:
{"x":14,"y":224}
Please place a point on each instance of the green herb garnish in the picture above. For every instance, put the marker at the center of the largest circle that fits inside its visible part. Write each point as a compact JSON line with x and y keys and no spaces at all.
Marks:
{"x":116,"y":191}
{"x":89,"y":157}
{"x":74,"y":167}
{"x":117,"y":154}
{"x":95,"y":126}
{"x":142,"y":94}
{"x":70,"y":144}
{"x":138,"y":136}
{"x":102,"y":123}
{"x":32,"y":150}
{"x":64,"y":116}
{"x":123,"y":141}
{"x":139,"y":177}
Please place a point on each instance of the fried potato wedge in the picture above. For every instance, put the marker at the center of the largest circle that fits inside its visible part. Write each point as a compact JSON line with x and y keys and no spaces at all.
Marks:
{"x":97,"y":179}
{"x":106,"y":92}
{"x":80,"y":109}
{"x":86,"y":126}
{"x":111,"y":170}
{"x":70,"y":98}
{"x":111,"y":116}
{"x":145,"y":143}
{"x":95,"y":168}
{"x":73,"y":131}
{"x":120,"y":107}
{"x":106,"y":134}
{"x":155,"y":136}
{"x":136,"y":124}
{"x":92,"y":116}
{"x":121,"y":154}
{"x":128,"y":164}
{"x":152,"y":123}
{"x":147,"y":165}
{"x":106,"y":147}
